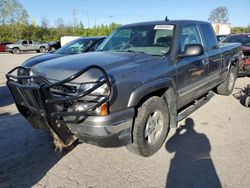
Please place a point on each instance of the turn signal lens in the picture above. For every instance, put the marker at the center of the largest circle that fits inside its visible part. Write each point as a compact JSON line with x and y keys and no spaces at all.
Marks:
{"x":104,"y":109}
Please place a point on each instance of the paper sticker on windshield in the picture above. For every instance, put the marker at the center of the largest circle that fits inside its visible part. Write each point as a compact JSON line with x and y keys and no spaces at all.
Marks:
{"x":165,"y":27}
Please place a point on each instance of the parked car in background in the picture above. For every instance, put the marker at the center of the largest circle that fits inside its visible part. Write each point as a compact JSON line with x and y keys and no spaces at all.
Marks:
{"x":27,"y":45}
{"x":3,"y":46}
{"x":80,"y":45}
{"x":220,"y":37}
{"x":244,"y":39}
{"x":53,"y":46}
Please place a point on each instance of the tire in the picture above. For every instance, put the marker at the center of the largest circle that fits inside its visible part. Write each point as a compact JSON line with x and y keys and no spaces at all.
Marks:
{"x":227,"y":87}
{"x":15,"y":51}
{"x":247,"y":101}
{"x":52,"y":49}
{"x":42,"y":50}
{"x":148,"y":135}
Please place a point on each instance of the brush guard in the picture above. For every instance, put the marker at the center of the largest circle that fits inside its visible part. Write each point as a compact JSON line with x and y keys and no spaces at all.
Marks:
{"x":55,"y":102}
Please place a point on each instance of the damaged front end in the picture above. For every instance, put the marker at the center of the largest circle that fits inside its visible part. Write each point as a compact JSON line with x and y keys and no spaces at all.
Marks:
{"x":52,"y":105}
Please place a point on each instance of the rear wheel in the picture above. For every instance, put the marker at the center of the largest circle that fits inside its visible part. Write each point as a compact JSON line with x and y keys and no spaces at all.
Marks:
{"x":227,"y":87}
{"x":247,"y":101}
{"x":42,"y":50}
{"x":15,"y":51}
{"x":151,"y":127}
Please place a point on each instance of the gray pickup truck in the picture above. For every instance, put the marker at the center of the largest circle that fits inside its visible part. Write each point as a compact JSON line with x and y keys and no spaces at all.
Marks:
{"x":141,"y":81}
{"x":27,"y":45}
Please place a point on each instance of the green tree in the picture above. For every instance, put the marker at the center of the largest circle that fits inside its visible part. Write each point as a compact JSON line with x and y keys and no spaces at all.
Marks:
{"x":219,"y":15}
{"x":12,"y":11}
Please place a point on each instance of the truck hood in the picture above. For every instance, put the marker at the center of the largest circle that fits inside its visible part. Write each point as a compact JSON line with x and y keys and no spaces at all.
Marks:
{"x":40,"y":58}
{"x":113,"y":62}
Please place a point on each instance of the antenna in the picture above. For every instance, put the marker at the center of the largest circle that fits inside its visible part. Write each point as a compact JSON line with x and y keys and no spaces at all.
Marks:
{"x":166,"y":19}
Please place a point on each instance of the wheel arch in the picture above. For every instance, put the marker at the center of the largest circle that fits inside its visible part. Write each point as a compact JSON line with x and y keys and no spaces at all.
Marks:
{"x":164,"y":88}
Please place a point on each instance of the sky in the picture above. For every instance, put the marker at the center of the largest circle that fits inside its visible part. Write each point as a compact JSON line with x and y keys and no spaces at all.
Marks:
{"x":94,"y":12}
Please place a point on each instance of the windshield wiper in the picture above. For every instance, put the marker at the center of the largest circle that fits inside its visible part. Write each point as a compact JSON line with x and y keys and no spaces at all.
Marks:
{"x":131,"y":51}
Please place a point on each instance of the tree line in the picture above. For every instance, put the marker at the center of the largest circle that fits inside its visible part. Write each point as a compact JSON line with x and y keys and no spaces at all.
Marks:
{"x":17,"y":31}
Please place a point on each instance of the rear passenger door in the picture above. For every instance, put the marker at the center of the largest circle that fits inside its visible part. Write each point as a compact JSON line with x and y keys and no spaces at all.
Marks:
{"x":213,"y":53}
{"x":191,"y":77}
{"x":31,"y":45}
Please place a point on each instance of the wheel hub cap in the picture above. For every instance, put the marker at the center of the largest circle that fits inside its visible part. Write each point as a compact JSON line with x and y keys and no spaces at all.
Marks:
{"x":154,"y":127}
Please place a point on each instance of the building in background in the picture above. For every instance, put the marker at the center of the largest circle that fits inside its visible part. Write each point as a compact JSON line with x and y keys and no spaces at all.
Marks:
{"x":222,"y":29}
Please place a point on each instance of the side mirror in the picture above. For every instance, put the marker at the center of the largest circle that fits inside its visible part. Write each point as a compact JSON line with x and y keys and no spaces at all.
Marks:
{"x":192,"y":50}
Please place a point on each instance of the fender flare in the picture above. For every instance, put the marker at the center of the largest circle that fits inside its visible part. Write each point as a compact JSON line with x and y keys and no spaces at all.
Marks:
{"x":169,"y":96}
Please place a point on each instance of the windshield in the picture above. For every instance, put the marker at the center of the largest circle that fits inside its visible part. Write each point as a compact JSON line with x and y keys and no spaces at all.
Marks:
{"x":75,"y":47}
{"x":150,"y":39}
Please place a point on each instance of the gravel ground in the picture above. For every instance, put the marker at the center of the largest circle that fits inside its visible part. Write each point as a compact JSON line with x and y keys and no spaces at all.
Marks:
{"x":209,"y":149}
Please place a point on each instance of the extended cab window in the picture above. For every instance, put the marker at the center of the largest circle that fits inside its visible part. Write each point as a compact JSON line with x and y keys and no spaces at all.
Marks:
{"x":189,"y":35}
{"x":149,"y":39}
{"x":209,"y":36}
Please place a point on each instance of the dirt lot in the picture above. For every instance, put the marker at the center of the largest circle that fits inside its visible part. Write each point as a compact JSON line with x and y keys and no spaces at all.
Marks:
{"x":209,"y":149}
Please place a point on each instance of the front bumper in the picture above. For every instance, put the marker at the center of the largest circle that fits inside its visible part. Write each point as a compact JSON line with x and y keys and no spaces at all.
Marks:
{"x":107,"y":131}
{"x":8,"y":49}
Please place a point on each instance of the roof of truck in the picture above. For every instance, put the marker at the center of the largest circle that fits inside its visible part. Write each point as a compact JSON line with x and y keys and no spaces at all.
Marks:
{"x":175,"y":22}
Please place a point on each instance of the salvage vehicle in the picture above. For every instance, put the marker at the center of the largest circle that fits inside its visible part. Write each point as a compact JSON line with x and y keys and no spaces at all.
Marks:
{"x":80,"y":45}
{"x":27,"y":45}
{"x":141,"y":81}
{"x":244,"y":39}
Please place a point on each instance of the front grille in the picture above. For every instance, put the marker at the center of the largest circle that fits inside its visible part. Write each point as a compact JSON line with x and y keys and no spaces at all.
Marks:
{"x":58,"y":99}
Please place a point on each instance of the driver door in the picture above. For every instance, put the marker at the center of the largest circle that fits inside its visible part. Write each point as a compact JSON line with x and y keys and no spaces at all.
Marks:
{"x":192,"y":71}
{"x":25,"y":45}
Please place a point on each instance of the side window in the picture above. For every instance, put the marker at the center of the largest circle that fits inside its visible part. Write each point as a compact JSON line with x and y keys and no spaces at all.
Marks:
{"x":209,"y":36}
{"x":189,"y":35}
{"x":30,"y":42}
{"x":246,"y":40}
{"x":25,"y":42}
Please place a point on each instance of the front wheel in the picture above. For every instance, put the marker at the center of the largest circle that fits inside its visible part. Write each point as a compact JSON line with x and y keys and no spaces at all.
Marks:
{"x":151,"y":127}
{"x":15,"y":51}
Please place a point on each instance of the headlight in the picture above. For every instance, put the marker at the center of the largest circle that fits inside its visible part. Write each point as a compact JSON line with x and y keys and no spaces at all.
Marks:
{"x":102,"y":90}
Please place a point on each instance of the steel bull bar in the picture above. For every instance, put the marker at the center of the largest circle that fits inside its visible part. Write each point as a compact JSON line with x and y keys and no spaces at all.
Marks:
{"x":54,"y":102}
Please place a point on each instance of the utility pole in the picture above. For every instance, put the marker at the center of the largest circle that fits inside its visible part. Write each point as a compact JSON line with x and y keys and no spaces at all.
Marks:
{"x":88,"y":18}
{"x":74,"y":19}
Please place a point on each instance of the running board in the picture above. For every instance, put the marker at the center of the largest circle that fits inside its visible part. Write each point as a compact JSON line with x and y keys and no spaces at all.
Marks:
{"x":196,"y":105}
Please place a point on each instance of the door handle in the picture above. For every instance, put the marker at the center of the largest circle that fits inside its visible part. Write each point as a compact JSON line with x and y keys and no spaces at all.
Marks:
{"x":205,"y":62}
